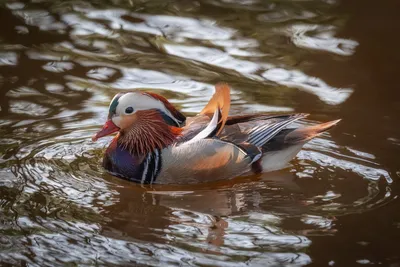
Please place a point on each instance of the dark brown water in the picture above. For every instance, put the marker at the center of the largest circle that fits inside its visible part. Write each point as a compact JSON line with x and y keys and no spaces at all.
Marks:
{"x":62,"y":61}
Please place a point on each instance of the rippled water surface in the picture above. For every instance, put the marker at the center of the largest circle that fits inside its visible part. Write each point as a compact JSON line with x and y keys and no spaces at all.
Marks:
{"x":62,"y":61}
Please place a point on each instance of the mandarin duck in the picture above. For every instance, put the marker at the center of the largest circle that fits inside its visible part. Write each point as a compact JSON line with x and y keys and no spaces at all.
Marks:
{"x":157,"y":144}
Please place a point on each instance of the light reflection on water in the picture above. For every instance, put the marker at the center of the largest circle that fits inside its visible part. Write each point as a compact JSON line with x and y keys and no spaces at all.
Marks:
{"x":62,"y":64}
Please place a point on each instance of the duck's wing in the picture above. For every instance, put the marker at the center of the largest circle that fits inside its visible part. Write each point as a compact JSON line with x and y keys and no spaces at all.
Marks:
{"x":236,"y":119}
{"x":221,"y":100}
{"x":206,"y":158}
{"x":257,"y":129}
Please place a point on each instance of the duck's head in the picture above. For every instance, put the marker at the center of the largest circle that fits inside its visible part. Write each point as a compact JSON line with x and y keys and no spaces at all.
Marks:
{"x":139,"y":112}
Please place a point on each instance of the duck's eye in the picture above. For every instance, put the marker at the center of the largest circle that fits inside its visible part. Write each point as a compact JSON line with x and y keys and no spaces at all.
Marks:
{"x":129,"y":110}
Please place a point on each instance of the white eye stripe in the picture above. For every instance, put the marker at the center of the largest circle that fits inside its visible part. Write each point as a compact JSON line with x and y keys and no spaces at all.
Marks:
{"x":140,"y":101}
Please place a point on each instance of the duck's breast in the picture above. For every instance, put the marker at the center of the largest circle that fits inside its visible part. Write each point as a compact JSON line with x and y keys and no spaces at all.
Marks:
{"x":120,"y":162}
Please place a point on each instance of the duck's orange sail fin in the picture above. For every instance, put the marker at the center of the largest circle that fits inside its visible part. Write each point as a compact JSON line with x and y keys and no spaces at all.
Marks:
{"x":220,"y":100}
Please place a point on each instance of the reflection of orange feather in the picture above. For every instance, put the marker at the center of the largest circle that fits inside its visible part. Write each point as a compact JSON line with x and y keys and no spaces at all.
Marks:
{"x":222,"y":100}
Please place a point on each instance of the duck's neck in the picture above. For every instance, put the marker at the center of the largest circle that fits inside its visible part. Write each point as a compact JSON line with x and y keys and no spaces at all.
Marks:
{"x":148,"y":133}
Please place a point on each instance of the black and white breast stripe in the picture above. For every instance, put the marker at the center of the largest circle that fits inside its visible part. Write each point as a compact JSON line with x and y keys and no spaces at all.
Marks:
{"x":151,"y":166}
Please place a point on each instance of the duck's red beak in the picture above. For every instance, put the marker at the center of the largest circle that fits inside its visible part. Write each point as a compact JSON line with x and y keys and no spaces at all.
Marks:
{"x":108,"y":128}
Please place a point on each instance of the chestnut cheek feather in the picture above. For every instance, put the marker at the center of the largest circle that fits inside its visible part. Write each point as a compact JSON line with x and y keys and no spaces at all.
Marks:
{"x":145,"y":131}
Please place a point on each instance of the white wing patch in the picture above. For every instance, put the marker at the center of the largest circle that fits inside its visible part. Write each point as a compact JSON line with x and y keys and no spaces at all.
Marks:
{"x":206,"y":132}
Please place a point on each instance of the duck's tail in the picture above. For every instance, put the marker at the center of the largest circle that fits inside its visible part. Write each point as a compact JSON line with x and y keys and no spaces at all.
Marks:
{"x":285,"y":145}
{"x":305,"y":134}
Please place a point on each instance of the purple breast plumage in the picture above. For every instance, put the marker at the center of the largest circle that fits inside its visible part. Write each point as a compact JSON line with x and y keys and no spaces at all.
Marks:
{"x":122,"y":163}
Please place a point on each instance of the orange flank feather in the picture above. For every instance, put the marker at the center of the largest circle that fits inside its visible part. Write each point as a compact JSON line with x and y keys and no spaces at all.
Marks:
{"x":215,"y":161}
{"x":220,"y":100}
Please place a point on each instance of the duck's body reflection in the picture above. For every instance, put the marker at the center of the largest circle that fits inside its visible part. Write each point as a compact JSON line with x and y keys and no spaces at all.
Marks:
{"x":224,"y":219}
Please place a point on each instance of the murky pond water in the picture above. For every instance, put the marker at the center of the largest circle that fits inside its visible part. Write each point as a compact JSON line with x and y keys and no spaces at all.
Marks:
{"x":62,"y":61}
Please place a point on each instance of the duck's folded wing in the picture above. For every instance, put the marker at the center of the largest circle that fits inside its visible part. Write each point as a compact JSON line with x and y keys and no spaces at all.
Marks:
{"x":235,"y":119}
{"x":203,"y":161}
{"x":257,"y":131}
{"x":238,"y":127}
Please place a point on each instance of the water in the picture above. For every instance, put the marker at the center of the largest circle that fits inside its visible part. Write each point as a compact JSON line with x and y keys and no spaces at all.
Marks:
{"x":62,"y":61}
